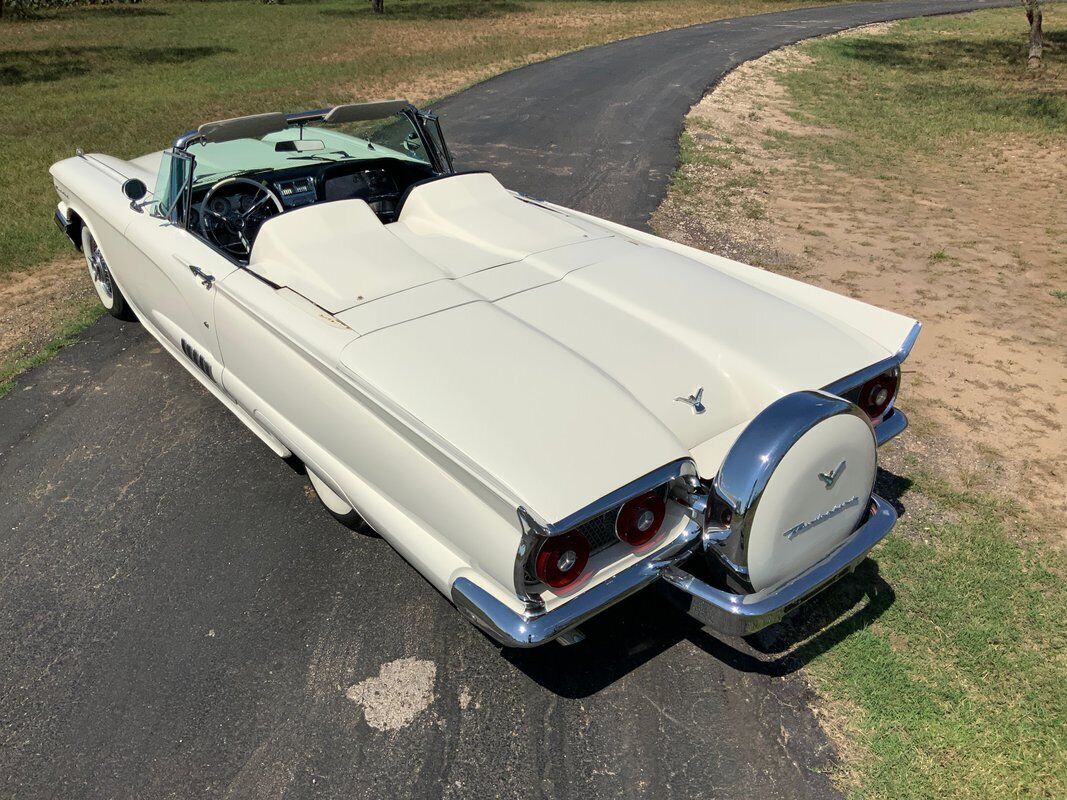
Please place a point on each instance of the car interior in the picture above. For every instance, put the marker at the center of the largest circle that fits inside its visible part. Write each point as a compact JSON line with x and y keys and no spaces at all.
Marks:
{"x":249,"y":169}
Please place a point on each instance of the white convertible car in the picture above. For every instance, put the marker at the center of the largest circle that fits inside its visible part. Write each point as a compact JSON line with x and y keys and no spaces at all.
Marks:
{"x":544,"y":412}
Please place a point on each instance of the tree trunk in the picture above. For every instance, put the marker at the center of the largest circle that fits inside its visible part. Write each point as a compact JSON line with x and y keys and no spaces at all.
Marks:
{"x":377,"y":6}
{"x":1033,"y":16}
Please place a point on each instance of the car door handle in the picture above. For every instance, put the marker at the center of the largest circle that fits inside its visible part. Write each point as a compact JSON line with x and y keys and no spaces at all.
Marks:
{"x":205,"y":279}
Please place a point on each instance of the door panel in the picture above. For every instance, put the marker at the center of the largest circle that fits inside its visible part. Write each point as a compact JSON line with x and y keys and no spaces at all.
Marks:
{"x":175,"y":286}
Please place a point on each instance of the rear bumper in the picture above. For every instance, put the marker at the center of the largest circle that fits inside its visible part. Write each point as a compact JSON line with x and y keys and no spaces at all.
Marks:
{"x":892,"y":424}
{"x":726,"y":613}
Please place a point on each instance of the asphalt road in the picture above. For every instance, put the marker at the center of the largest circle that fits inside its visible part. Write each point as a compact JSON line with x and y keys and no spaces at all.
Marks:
{"x":179,"y":619}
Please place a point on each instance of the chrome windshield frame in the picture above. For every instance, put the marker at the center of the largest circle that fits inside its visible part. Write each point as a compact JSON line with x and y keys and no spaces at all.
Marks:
{"x":440,"y":161}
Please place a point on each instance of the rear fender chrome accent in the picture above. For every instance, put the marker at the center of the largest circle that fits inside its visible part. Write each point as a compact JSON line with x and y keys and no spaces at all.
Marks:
{"x":678,"y":475}
{"x":750,"y":463}
{"x":850,"y":382}
{"x":680,"y":469}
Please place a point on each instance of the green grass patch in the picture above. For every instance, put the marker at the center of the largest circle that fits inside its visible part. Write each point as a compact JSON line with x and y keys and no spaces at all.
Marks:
{"x":1059,"y":294}
{"x":927,"y":86}
{"x":961,"y":684}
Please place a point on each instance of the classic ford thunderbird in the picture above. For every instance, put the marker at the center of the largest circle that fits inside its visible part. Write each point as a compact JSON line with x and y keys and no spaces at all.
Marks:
{"x":544,"y":412}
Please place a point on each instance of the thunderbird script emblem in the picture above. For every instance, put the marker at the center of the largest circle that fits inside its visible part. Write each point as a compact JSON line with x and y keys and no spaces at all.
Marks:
{"x":695,"y":400}
{"x":830,"y":478}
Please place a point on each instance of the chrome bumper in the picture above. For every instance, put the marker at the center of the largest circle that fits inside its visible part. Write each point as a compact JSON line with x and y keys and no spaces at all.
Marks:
{"x":726,"y":613}
{"x":893,"y":424}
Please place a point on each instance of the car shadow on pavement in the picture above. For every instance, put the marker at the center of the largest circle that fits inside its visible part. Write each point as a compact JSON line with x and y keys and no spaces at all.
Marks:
{"x":635,"y":631}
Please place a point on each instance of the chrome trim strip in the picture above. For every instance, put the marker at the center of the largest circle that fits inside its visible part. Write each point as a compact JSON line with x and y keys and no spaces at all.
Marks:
{"x":755,"y":456}
{"x":740,"y":615}
{"x":676,"y":469}
{"x":534,"y":529}
{"x":849,"y":382}
{"x":532,"y":629}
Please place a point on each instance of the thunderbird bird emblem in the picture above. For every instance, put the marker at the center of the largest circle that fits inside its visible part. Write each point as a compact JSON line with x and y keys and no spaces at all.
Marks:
{"x":830,"y":478}
{"x":695,"y":400}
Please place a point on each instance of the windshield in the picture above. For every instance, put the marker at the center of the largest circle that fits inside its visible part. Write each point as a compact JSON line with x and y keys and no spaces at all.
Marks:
{"x":297,"y":146}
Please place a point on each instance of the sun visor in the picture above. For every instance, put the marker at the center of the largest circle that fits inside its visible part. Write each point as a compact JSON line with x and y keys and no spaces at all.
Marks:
{"x":253,"y":127}
{"x":362,"y":112}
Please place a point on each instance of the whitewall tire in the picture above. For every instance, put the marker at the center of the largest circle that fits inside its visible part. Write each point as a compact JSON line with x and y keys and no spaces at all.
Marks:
{"x":110,"y":296}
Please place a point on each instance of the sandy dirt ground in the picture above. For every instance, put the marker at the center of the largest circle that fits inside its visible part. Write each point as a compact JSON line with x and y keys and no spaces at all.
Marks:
{"x":35,"y":305}
{"x":969,"y":243}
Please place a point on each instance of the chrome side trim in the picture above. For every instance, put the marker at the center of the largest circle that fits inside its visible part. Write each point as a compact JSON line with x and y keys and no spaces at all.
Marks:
{"x":849,"y":382}
{"x":532,"y":629}
{"x":740,"y":615}
{"x":748,"y":466}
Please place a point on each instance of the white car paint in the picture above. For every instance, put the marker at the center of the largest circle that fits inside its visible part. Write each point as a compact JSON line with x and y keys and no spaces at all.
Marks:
{"x":487,"y":352}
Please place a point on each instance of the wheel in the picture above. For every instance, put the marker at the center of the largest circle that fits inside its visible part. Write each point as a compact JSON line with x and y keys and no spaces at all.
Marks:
{"x":110,"y":296}
{"x":338,"y":508}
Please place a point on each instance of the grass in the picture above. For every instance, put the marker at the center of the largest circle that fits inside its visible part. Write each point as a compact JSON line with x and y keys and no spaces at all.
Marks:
{"x":958,"y":685}
{"x":928,"y":84}
{"x":959,"y":688}
{"x":126,"y":79}
{"x":1059,"y":294}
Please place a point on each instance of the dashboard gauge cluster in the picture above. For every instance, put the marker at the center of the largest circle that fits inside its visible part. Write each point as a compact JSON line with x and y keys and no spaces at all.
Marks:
{"x":296,"y":192}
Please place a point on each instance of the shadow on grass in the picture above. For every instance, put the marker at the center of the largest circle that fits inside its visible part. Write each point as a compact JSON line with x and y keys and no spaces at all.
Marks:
{"x":19,"y":67}
{"x":84,"y":11}
{"x":432,"y":9}
{"x":928,"y":58}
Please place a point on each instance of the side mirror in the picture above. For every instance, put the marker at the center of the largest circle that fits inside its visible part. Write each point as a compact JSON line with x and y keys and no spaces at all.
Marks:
{"x":134,"y":189}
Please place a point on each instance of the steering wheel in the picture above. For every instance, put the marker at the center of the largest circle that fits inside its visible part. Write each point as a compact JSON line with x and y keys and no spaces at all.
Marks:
{"x":231,"y":218}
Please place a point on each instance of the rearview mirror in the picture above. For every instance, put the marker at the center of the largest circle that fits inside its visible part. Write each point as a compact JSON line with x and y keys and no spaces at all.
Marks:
{"x":299,"y":146}
{"x":134,"y":189}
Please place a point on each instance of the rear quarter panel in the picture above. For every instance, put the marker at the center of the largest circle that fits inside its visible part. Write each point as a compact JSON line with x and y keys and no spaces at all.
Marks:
{"x":282,"y":372}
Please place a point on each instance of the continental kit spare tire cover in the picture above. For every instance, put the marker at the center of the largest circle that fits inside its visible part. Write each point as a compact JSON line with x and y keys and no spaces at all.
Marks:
{"x":803,"y":472}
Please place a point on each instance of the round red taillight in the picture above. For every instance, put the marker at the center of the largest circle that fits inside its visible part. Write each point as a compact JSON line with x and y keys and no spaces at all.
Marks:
{"x":876,"y":394}
{"x":561,"y":559}
{"x":640,"y":519}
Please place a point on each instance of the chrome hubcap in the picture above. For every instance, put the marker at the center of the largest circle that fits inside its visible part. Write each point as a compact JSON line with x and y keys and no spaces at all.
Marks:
{"x":99,"y":272}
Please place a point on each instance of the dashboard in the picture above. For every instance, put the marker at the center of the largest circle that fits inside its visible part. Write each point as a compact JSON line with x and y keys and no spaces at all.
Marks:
{"x":379,"y":182}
